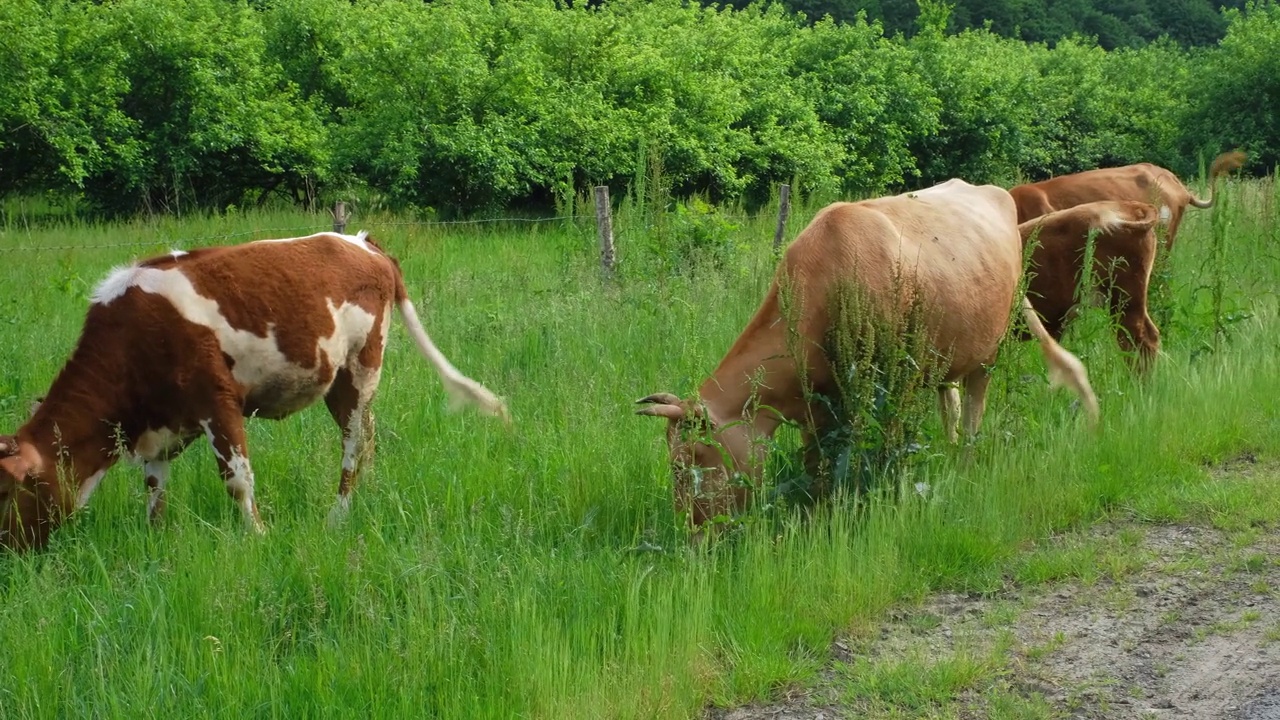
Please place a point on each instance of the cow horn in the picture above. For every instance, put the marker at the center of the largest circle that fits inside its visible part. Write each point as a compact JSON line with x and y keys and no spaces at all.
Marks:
{"x":670,"y":412}
{"x":659,"y":398}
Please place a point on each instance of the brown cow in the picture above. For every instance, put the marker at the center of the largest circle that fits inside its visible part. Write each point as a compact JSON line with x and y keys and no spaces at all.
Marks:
{"x":1143,"y":182}
{"x":189,"y":344}
{"x":1124,"y":253}
{"x":961,"y":247}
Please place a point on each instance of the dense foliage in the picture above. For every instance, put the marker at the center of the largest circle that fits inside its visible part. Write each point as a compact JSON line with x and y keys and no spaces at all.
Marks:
{"x":457,"y":106}
{"x":1114,"y":24}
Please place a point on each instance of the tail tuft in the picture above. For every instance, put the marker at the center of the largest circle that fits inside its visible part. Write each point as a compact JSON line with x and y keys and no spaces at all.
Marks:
{"x":462,"y":390}
{"x":1065,"y":369}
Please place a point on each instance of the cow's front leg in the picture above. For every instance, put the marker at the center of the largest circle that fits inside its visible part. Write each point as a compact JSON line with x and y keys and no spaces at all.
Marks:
{"x":975,"y":400}
{"x":157,"y":475}
{"x":949,"y":410}
{"x":226,"y":434}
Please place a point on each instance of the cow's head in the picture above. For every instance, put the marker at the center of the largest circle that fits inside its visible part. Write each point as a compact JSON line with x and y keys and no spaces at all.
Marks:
{"x":708,"y":458}
{"x":26,"y":513}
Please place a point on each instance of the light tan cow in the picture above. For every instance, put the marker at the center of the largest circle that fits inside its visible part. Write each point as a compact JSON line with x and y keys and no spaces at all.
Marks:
{"x":1124,"y":251}
{"x":189,"y":344}
{"x":1143,"y":182}
{"x":961,"y":251}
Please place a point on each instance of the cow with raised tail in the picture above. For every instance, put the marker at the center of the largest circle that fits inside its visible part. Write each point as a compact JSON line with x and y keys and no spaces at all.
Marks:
{"x":189,"y":344}
{"x":1124,"y":252}
{"x":1143,"y":182}
{"x":955,"y":246}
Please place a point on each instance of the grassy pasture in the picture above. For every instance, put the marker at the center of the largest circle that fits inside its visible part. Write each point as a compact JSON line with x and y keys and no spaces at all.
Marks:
{"x":539,"y":571}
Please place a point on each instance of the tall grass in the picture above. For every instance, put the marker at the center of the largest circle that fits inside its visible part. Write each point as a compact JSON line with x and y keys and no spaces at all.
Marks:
{"x":539,"y":571}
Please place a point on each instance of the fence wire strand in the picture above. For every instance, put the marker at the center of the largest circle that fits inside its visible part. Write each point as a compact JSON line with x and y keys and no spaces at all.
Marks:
{"x":196,"y":241}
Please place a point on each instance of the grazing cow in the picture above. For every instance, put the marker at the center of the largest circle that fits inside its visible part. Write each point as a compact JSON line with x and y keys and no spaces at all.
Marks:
{"x":1143,"y":182}
{"x":958,"y":247}
{"x":191,"y":343}
{"x":1124,"y":252}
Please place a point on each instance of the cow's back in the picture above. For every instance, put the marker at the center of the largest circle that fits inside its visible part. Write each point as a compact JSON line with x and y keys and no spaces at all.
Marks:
{"x":282,"y":316}
{"x":1141,"y":182}
{"x":958,"y":244}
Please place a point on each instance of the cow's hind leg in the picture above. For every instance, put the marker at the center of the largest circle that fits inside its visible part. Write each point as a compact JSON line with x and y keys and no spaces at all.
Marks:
{"x":1135,"y":331}
{"x":350,"y":402}
{"x":226,"y":433}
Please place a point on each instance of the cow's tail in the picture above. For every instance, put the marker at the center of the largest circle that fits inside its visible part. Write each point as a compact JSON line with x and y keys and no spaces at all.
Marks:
{"x":1223,"y":164}
{"x":1064,"y":368}
{"x":461,"y":389}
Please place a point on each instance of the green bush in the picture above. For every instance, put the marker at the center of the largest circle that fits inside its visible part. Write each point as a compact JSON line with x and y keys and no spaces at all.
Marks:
{"x":464,"y":106}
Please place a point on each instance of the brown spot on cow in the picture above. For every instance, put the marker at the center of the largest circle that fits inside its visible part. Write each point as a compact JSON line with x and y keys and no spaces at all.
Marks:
{"x":186,"y":345}
{"x":1143,"y":182}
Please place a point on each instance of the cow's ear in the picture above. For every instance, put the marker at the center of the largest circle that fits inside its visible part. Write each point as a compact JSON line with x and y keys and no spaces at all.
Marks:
{"x":13,"y":469}
{"x":661,"y":405}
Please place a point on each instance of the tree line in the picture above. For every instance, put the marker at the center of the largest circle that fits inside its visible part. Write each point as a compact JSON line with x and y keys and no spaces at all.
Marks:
{"x":1127,"y":23}
{"x":461,"y":106}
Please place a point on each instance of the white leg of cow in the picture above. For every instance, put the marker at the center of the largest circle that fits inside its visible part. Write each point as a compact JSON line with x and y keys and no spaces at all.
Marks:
{"x":226,"y":434}
{"x":949,"y":409}
{"x":350,"y":403}
{"x":87,"y":487}
{"x":157,"y":475}
{"x":975,"y":400}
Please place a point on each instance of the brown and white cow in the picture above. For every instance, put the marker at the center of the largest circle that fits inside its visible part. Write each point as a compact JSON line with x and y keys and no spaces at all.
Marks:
{"x":958,"y":247}
{"x":1143,"y":182}
{"x":1123,"y":254}
{"x":191,"y":343}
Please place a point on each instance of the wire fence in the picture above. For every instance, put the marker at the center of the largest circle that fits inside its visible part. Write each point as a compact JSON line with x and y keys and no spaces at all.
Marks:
{"x":276,"y":231}
{"x":603,"y":220}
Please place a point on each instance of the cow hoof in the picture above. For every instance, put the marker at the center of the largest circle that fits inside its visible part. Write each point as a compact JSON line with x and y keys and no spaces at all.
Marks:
{"x":338,"y":513}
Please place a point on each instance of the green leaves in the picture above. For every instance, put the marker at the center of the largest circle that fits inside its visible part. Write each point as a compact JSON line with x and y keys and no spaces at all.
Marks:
{"x":462,"y":106}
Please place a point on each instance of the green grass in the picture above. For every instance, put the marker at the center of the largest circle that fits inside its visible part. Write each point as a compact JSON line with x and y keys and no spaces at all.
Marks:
{"x":539,"y":571}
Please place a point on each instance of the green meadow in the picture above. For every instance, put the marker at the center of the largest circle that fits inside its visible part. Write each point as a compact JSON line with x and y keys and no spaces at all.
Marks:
{"x":539,"y":570}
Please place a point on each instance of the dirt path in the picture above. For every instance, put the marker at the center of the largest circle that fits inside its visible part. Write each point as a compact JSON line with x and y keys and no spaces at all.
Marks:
{"x":1172,"y":622}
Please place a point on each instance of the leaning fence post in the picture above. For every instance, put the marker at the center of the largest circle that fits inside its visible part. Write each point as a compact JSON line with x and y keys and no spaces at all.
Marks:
{"x":784,"y":209}
{"x":339,"y":217}
{"x":604,"y":227}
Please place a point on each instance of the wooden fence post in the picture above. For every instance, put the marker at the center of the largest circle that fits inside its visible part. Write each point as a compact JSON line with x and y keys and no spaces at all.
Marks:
{"x":604,"y":227}
{"x":784,"y":209}
{"x":339,"y":217}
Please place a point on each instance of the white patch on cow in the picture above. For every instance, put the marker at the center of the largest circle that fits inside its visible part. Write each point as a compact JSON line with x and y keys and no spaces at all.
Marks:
{"x":154,"y":444}
{"x":1107,"y":219}
{"x":351,"y":327}
{"x":241,"y":480}
{"x":114,"y":285}
{"x":358,"y":240}
{"x":208,"y":432}
{"x":349,"y":444}
{"x":87,"y":487}
{"x":178,"y":253}
{"x":1165,"y":214}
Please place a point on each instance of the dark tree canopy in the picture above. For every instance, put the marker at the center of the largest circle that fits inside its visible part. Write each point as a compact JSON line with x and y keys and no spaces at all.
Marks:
{"x":1116,"y":23}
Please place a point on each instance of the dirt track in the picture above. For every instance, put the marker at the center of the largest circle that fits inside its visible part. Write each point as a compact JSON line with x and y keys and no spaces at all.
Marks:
{"x":1187,"y":625}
